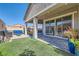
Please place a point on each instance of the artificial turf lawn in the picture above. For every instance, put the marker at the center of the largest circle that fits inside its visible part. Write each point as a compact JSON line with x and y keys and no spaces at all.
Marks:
{"x":16,"y":47}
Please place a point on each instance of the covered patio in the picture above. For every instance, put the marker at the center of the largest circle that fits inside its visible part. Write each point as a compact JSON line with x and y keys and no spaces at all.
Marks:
{"x":54,"y":21}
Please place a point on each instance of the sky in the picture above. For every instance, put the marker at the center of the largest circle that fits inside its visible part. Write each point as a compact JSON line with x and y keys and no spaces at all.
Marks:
{"x":13,"y":13}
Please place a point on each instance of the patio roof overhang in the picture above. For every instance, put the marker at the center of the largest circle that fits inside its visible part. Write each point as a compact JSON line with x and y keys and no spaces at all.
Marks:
{"x":57,"y":11}
{"x":29,"y":8}
{"x":54,"y":11}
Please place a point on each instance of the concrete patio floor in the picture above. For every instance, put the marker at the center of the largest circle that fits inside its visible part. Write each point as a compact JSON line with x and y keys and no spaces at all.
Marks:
{"x":60,"y":43}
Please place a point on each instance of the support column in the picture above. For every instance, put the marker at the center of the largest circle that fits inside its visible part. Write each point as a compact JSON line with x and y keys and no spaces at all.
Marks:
{"x":43,"y":27}
{"x":78,"y":18}
{"x":35,"y":28}
{"x":75,"y":19}
{"x":55,"y":28}
{"x":26,"y":29}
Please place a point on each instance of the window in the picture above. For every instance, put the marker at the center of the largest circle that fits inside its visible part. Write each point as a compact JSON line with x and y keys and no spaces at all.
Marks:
{"x":59,"y":26}
{"x":67,"y":22}
{"x":50,"y":27}
{"x":62,"y":24}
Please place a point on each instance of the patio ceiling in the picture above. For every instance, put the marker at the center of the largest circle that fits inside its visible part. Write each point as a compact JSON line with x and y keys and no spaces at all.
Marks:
{"x":56,"y":11}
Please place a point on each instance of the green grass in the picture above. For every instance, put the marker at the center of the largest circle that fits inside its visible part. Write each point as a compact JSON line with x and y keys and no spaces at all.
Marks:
{"x":16,"y":47}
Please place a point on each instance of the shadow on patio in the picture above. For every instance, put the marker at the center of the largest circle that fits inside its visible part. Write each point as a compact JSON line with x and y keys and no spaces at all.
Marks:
{"x":59,"y":43}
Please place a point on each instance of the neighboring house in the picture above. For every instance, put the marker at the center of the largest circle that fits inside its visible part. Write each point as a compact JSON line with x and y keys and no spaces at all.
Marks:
{"x":3,"y":34}
{"x":54,"y":17}
{"x":2,"y":26}
{"x":16,"y":29}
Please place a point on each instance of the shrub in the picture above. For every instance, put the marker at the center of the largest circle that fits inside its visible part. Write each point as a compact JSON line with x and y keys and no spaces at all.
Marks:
{"x":1,"y":54}
{"x":27,"y":52}
{"x":72,"y":34}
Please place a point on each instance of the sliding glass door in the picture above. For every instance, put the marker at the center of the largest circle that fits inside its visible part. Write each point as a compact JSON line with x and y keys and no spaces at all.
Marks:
{"x":67,"y":22}
{"x":62,"y":24}
{"x":50,"y":27}
{"x":59,"y":27}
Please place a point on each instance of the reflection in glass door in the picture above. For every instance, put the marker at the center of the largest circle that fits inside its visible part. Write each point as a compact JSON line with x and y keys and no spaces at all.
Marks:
{"x":50,"y":27}
{"x":67,"y":22}
{"x":62,"y":24}
{"x":59,"y":27}
{"x":51,"y":30}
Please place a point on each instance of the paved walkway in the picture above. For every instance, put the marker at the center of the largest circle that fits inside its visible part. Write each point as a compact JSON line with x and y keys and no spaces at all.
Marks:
{"x":58,"y":42}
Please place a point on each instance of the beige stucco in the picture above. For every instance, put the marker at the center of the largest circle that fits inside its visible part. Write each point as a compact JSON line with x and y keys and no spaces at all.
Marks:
{"x":2,"y":25}
{"x":15,"y":27}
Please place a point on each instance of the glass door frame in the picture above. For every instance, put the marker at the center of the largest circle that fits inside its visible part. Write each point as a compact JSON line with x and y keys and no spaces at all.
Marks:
{"x":64,"y":15}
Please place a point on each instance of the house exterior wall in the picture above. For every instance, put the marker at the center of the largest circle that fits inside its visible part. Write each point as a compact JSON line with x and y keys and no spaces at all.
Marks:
{"x":75,"y":16}
{"x":71,"y":10}
{"x":15,"y":27}
{"x":65,"y":10}
{"x":3,"y":34}
{"x":2,"y":26}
